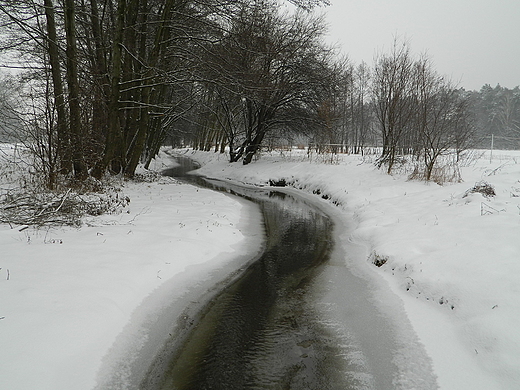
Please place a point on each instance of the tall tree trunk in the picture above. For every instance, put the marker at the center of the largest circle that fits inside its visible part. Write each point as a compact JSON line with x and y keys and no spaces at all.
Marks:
{"x":80,"y":169}
{"x":136,"y":147}
{"x":254,"y":146}
{"x":113,"y":154}
{"x":131,"y":79}
{"x":100,"y":76}
{"x":63,"y":142}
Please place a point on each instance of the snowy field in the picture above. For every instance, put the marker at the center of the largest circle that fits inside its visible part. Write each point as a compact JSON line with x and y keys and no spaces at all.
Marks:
{"x":71,"y":298}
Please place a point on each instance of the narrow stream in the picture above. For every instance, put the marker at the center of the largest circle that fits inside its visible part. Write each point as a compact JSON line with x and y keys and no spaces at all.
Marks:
{"x":265,"y":328}
{"x":260,"y":331}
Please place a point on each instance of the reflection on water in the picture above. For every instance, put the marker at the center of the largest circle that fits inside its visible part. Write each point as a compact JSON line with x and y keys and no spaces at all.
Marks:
{"x":261,"y":331}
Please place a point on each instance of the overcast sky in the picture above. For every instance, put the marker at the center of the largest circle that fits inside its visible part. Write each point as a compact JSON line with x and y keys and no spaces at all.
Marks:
{"x":475,"y":42}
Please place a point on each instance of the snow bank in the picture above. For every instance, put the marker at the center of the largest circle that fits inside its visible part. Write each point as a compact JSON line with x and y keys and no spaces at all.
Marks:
{"x":452,"y":255}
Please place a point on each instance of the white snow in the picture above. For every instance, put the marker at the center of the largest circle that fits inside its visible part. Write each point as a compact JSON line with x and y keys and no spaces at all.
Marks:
{"x":73,"y":300}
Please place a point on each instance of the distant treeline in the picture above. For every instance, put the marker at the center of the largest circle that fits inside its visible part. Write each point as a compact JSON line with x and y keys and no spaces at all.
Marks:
{"x":497,"y":113}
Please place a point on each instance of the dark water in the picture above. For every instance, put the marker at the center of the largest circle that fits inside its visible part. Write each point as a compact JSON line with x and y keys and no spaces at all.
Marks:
{"x":262,"y":330}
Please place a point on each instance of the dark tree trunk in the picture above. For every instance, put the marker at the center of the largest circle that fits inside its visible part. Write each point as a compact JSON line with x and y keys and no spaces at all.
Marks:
{"x":101,"y":85}
{"x":112,"y":157}
{"x":78,"y":163}
{"x":63,"y":141}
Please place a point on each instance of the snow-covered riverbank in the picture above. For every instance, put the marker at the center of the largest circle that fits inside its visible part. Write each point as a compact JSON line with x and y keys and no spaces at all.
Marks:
{"x":452,"y":255}
{"x":73,"y":301}
{"x":70,"y":297}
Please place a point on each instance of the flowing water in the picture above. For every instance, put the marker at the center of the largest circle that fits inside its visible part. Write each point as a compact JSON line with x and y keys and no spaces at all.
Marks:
{"x":266,"y":328}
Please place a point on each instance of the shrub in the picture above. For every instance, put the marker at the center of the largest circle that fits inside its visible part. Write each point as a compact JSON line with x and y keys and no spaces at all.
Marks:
{"x":483,"y":188}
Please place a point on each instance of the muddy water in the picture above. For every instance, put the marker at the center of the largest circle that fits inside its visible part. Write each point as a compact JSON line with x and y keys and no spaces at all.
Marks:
{"x":268,"y":327}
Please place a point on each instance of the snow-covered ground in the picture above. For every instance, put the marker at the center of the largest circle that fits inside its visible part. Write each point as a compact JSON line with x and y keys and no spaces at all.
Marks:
{"x":70,"y":298}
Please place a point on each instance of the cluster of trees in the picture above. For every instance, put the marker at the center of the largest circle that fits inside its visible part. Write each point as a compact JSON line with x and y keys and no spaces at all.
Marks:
{"x":401,"y":104}
{"x":107,"y":82}
{"x":497,"y":114}
{"x":268,"y":73}
{"x":419,"y":112}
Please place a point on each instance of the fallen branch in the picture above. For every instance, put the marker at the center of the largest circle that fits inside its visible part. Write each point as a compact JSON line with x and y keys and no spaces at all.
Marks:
{"x":47,"y":208}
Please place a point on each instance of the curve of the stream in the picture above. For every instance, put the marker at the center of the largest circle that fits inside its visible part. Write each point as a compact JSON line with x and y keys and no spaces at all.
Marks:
{"x":296,"y":317}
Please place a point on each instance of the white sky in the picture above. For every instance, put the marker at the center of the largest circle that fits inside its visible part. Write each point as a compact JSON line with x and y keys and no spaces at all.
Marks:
{"x":475,"y":42}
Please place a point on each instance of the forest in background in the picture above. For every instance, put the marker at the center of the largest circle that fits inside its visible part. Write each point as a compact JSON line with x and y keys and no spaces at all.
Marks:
{"x":103,"y":84}
{"x":497,"y":113}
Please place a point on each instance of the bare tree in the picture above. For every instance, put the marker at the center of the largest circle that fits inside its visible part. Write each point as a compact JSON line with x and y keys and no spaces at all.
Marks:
{"x":121,"y":72}
{"x":392,"y":96}
{"x":277,"y":68}
{"x":359,"y":107}
{"x":75,"y":125}
{"x":63,"y":138}
{"x":442,"y":120}
{"x":435,"y":99}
